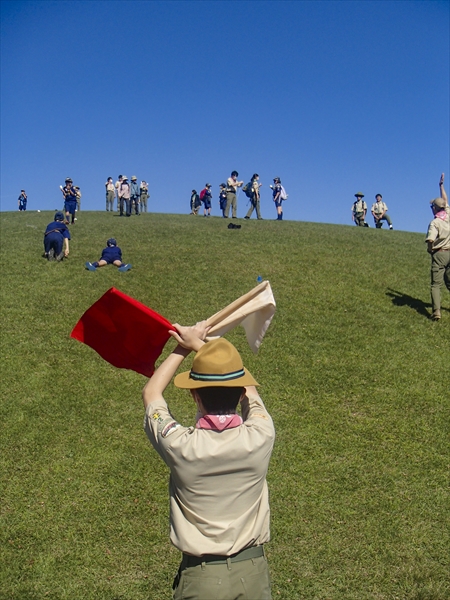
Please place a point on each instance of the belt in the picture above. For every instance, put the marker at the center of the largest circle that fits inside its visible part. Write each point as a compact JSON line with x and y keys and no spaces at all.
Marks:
{"x":216,"y":559}
{"x":443,"y":250}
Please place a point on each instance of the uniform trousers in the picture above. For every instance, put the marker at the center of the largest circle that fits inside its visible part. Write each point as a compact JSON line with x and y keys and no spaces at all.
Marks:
{"x":134,"y":202}
{"x":440,"y":273}
{"x":254,"y":205}
{"x":144,"y":198}
{"x":245,"y":580}
{"x":359,"y":219}
{"x":53,"y":240}
{"x":378,"y":222}
{"x":109,"y":200}
{"x":231,"y":202}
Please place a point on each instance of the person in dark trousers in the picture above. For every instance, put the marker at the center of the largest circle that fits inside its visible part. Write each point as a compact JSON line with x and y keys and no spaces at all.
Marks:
{"x":207,"y":201}
{"x":22,"y":201}
{"x":135,"y":195}
{"x":124,"y":196}
{"x":111,"y":255}
{"x":56,"y":235}
{"x":195,"y":202}
{"x":223,"y":198}
{"x":70,"y":200}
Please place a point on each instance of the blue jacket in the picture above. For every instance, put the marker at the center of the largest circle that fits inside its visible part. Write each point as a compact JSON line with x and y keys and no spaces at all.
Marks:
{"x":134,"y":189}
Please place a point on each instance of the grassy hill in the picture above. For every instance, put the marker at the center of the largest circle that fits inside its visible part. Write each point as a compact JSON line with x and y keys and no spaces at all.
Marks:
{"x":352,"y":370}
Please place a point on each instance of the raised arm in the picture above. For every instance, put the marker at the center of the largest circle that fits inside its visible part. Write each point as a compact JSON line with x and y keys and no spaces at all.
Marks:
{"x":442,"y":190}
{"x":188,"y":338}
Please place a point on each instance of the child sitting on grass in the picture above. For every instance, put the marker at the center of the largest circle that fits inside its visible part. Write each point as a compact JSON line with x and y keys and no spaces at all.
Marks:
{"x":111,"y":255}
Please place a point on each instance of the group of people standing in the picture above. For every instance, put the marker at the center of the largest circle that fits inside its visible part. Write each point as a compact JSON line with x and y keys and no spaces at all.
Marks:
{"x":228,"y":195}
{"x":379,"y":211}
{"x":128,"y":194}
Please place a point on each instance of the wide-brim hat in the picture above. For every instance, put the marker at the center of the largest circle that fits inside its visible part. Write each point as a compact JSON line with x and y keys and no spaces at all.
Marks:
{"x":134,"y":178}
{"x":124,"y":177}
{"x":438,"y":202}
{"x":359,"y":195}
{"x":216,"y":364}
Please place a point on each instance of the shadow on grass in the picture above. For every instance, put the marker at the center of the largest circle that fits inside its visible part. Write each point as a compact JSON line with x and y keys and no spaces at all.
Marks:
{"x":399,"y":299}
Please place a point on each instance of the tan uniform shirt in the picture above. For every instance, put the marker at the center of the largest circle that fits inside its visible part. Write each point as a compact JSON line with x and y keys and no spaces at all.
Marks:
{"x":218,"y":491}
{"x":379,"y":208}
{"x":359,"y":207}
{"x":439,"y":232}
{"x":231,"y":185}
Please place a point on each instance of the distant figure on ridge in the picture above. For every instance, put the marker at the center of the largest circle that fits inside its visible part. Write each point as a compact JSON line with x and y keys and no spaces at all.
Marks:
{"x":135,"y":195}
{"x":70,"y":199}
{"x":359,"y":210}
{"x":279,"y":194}
{"x":22,"y":201}
{"x":254,"y":197}
{"x":78,"y":195}
{"x":144,"y":195}
{"x":117,"y":186}
{"x":124,"y":196}
{"x":110,"y":189}
{"x":438,"y":245}
{"x":223,"y":198}
{"x":206,"y":198}
{"x":379,"y":212}
{"x":111,"y":255}
{"x":232,"y":185}
{"x":55,"y":235}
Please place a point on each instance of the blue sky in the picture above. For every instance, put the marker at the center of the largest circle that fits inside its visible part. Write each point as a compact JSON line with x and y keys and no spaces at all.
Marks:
{"x":333,"y":97}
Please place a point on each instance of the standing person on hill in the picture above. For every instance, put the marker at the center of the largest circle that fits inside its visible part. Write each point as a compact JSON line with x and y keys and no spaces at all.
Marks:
{"x":124,"y":196}
{"x":116,"y":188}
{"x":232,"y":185}
{"x":277,"y":193}
{"x":109,"y":185}
{"x":144,"y":195}
{"x":78,"y":195}
{"x":438,"y":245}
{"x":223,"y":198}
{"x":379,"y":212}
{"x":359,"y":210}
{"x":219,"y":505}
{"x":255,"y":198}
{"x":56,"y":234}
{"x":135,"y":195}
{"x":207,"y":197}
{"x":195,"y":202}
{"x":70,"y":200}
{"x":22,"y":200}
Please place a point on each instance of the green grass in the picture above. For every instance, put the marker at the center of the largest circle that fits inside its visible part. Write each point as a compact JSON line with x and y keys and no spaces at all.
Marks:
{"x":352,"y":370}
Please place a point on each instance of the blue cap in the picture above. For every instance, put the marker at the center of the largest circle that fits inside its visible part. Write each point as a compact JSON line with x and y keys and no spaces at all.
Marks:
{"x":59,"y":216}
{"x":111,"y":242}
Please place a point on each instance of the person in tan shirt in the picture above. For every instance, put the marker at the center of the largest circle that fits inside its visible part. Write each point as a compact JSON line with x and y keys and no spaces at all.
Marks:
{"x":438,"y":245}
{"x":219,"y":507}
{"x":232,"y":186}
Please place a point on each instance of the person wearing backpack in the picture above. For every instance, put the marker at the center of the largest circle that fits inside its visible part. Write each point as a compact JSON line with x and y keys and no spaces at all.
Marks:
{"x":207,"y":195}
{"x":135,"y":195}
{"x":279,"y":194}
{"x":359,"y":210}
{"x":251,"y":190}
{"x":232,"y":185}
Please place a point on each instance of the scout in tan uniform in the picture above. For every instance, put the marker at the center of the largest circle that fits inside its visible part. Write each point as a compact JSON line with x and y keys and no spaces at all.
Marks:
{"x":232,"y":185}
{"x":219,"y":506}
{"x":359,"y":210}
{"x":438,"y":241}
{"x":379,"y":212}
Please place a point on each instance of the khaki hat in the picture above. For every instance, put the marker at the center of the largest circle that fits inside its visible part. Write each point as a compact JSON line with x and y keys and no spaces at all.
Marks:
{"x":359,"y":195}
{"x":216,"y":364}
{"x":124,"y":177}
{"x":438,"y":202}
{"x":134,"y":178}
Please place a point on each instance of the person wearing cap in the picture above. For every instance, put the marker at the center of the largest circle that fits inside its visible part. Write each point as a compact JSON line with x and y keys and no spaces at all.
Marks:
{"x":111,"y":255}
{"x":359,"y":210}
{"x":116,"y":190}
{"x":222,"y":198}
{"x":22,"y":200}
{"x":379,"y":212}
{"x":219,"y":506}
{"x":56,"y":234}
{"x":255,"y":199}
{"x":144,"y":195}
{"x":232,"y":185}
{"x":70,"y":200}
{"x":277,"y":189}
{"x":124,"y":196}
{"x":207,"y":200}
{"x":109,"y":186}
{"x":438,"y":245}
{"x":135,"y":195}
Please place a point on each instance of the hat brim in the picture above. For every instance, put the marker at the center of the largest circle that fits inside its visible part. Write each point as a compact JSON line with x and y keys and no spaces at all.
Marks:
{"x":184,"y":381}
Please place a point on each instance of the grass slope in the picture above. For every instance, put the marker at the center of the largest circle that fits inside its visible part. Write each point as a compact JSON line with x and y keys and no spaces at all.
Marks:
{"x":353,"y":372}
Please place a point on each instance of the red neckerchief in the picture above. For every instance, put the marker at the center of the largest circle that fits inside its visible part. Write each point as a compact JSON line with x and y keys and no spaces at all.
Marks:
{"x":219,"y":422}
{"x":441,"y":215}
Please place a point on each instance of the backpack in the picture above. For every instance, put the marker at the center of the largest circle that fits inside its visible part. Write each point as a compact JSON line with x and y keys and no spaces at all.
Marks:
{"x":248,"y":189}
{"x":283,"y":194}
{"x":202,"y":194}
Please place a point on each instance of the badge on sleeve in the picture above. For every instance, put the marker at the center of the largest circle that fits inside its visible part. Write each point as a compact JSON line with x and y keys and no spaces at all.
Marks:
{"x":169,"y":427}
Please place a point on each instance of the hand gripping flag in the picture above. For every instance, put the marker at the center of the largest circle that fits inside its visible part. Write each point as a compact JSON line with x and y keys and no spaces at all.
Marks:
{"x":129,"y":335}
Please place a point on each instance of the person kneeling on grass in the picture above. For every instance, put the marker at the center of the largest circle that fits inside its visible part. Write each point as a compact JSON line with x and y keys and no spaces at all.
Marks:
{"x":56,"y":233}
{"x":111,"y":255}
